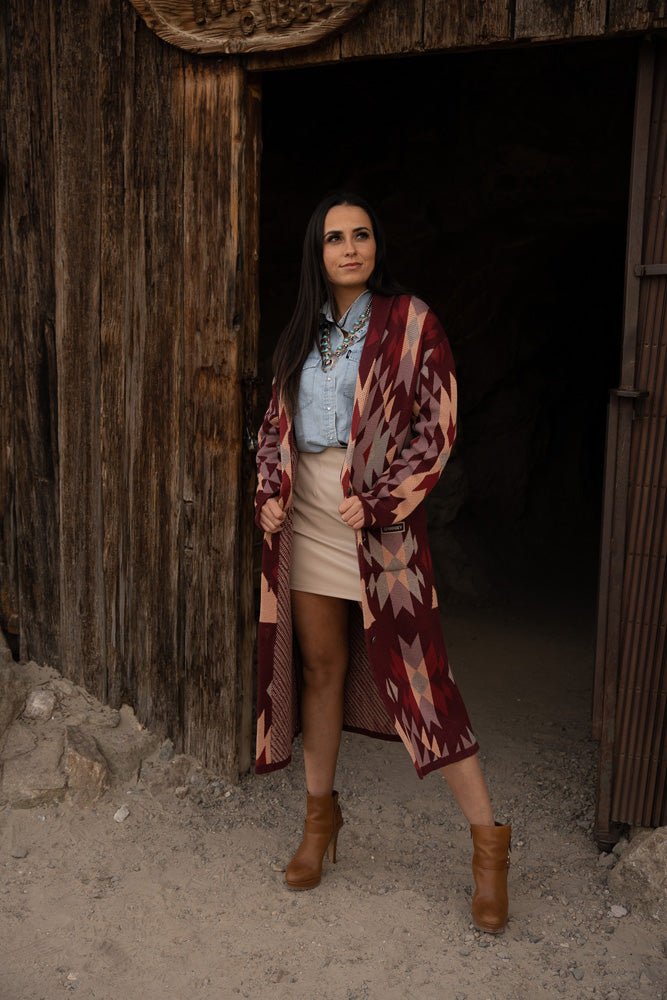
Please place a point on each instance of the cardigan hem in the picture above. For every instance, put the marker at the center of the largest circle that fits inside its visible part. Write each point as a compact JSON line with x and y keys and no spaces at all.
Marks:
{"x":441,"y":762}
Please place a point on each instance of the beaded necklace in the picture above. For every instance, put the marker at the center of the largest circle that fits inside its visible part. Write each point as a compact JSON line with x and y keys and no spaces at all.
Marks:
{"x":329,"y":357}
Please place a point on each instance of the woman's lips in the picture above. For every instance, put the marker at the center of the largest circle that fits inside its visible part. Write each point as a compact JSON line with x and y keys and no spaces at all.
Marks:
{"x":350,"y":266}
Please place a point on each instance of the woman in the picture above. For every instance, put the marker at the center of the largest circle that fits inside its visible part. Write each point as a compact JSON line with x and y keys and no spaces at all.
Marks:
{"x":360,"y":425}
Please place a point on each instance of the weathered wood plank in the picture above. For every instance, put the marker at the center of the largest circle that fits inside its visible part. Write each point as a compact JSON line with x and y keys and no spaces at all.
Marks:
{"x":636,"y":15}
{"x":389,"y":27}
{"x":560,"y":19}
{"x":117,"y":242}
{"x":8,"y":575}
{"x":77,"y":144}
{"x":214,"y":152}
{"x":148,"y":364}
{"x":460,"y":23}
{"x":320,"y":54}
{"x":30,"y":180}
{"x":251,"y":317}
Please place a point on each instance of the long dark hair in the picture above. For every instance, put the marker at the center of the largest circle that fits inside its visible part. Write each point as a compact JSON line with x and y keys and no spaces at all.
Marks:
{"x":297,"y":338}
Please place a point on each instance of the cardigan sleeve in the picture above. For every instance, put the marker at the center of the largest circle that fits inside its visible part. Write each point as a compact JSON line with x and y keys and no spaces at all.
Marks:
{"x":269,"y":472}
{"x":417,"y":468}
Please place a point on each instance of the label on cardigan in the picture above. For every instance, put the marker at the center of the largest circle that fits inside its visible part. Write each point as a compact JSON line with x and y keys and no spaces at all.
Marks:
{"x":399,"y":526}
{"x":245,"y":25}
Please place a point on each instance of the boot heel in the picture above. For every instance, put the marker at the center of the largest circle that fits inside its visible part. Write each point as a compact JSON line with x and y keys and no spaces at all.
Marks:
{"x":331,"y":849}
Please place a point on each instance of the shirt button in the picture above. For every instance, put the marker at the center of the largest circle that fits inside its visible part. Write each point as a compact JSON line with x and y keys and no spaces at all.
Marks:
{"x":328,"y":407}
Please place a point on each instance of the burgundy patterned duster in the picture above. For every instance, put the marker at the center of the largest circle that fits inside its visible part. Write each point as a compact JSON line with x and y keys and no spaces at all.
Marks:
{"x":403,"y":428}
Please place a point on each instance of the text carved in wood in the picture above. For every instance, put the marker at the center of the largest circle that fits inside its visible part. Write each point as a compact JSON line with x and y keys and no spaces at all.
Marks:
{"x":245,"y":25}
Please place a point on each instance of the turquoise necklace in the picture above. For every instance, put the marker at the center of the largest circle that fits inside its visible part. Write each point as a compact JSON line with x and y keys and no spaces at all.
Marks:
{"x":329,"y":357}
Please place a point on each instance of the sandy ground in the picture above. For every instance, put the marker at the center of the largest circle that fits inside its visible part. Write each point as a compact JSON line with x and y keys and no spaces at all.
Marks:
{"x":185,"y":898}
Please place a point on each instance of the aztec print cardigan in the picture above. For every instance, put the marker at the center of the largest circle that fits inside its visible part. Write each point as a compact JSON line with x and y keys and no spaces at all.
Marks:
{"x":403,"y":427}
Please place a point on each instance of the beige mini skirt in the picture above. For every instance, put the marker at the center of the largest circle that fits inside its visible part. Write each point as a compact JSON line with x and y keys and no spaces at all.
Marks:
{"x":324,"y":549}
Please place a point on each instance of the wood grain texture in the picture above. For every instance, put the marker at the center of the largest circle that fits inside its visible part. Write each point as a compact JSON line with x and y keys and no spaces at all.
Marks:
{"x":9,"y":619}
{"x":321,"y":53}
{"x":77,"y":146}
{"x":390,"y":27}
{"x":213,"y":256}
{"x":561,"y":19}
{"x":31,"y":347}
{"x":636,"y":15}
{"x":148,"y":365}
{"x":116,"y":244}
{"x":449,"y":24}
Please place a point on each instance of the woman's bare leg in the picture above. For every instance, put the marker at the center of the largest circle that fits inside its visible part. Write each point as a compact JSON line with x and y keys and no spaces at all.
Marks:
{"x":320,"y":624}
{"x":467,"y":783}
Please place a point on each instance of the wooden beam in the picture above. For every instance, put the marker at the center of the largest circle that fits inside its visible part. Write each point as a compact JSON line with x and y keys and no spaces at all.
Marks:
{"x":450,"y":24}
{"x":533,"y":19}
{"x":389,"y":27}
{"x":636,"y":15}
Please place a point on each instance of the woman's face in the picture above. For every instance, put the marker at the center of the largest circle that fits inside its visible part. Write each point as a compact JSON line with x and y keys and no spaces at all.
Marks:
{"x":348,"y":249}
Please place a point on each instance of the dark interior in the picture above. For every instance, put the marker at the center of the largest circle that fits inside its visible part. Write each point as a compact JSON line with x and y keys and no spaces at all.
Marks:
{"x":502,"y":181}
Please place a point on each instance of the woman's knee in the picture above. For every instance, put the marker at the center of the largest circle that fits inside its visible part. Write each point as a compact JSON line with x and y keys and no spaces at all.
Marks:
{"x":324,"y":672}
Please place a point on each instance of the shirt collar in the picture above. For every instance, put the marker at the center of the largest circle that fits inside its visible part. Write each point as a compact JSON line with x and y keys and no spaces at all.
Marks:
{"x":354,"y":312}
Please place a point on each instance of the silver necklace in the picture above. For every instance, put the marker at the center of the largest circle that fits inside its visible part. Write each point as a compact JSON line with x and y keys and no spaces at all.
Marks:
{"x":329,"y":357}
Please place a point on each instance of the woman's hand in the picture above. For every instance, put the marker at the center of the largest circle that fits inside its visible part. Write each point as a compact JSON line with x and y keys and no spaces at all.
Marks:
{"x":352,"y":512}
{"x":272,"y":516}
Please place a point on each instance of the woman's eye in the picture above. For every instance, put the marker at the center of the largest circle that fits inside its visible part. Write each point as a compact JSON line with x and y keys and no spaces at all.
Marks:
{"x":363,"y":236}
{"x":332,"y":238}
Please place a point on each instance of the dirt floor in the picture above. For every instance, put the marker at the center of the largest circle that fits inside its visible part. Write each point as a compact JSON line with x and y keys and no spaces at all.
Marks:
{"x":185,"y":896}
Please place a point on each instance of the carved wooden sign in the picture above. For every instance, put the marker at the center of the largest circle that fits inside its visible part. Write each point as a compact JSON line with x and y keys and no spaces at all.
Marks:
{"x":245,"y":25}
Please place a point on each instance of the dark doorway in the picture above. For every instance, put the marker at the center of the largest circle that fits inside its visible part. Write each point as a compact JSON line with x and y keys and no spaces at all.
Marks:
{"x":502,"y":179}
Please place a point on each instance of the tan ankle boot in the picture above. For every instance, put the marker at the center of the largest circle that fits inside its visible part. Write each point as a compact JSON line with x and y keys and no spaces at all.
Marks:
{"x":490,"y":865}
{"x":323,"y":821}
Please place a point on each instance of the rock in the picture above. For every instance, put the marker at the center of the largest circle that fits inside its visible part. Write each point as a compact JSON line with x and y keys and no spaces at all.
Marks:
{"x":166,"y":751}
{"x":19,"y":852}
{"x":121,"y":814}
{"x":181,"y":792}
{"x":641,"y":874}
{"x":86,"y":769}
{"x":607,"y":860}
{"x":39,"y":704}
{"x":618,"y":911}
{"x":31,"y":771}
{"x":126,"y":746}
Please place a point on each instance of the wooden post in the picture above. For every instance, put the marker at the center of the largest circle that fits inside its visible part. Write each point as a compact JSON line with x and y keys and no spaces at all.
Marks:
{"x":214,"y":219}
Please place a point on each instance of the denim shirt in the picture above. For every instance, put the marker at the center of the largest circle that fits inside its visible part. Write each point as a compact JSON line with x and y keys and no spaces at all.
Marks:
{"x":326,"y":399}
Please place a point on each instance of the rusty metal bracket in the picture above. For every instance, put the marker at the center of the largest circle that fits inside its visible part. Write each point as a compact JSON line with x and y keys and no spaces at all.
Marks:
{"x":629,"y":393}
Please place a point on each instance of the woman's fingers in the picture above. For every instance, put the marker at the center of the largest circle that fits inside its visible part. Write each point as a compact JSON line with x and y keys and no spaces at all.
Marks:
{"x":352,"y":512}
{"x":272,"y":515}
